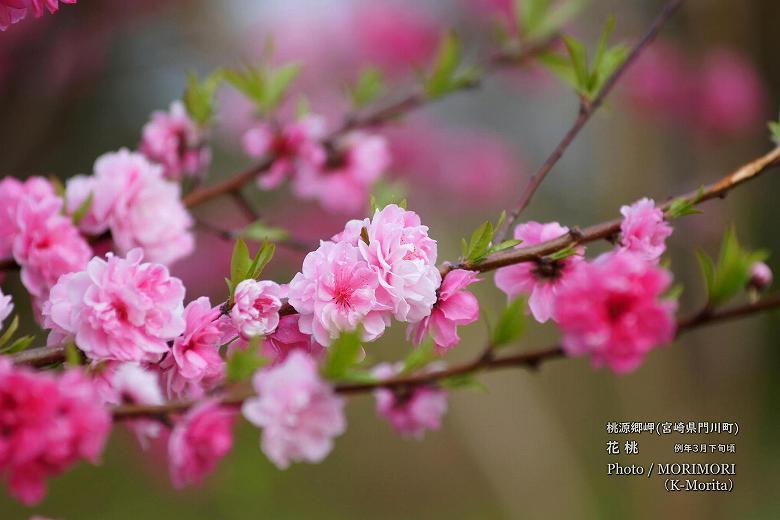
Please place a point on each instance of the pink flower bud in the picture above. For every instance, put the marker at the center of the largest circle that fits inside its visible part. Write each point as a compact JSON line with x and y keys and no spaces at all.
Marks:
{"x":760,"y":276}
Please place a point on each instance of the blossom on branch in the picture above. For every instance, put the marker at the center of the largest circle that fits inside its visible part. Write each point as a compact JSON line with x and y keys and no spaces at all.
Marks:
{"x":256,"y":308}
{"x":288,"y":338}
{"x":644,"y":230}
{"x":298,"y":412}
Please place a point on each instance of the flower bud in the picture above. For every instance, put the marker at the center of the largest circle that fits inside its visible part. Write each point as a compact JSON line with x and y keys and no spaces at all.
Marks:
{"x":760,"y":276}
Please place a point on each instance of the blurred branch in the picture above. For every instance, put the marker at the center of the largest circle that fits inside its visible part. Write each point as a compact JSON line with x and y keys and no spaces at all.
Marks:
{"x":587,"y":109}
{"x":531,"y":360}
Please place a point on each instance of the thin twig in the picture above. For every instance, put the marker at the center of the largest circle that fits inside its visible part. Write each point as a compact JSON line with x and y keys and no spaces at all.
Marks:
{"x":587,"y":109}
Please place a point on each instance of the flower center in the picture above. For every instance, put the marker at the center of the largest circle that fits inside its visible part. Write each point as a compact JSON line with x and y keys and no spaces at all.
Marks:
{"x":547,"y":269}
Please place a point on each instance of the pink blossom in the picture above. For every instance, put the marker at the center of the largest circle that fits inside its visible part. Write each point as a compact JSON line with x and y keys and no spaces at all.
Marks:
{"x":644,"y":230}
{"x":12,"y":11}
{"x":119,"y":309}
{"x":198,"y":441}
{"x":411,"y":411}
{"x":455,"y":307}
{"x":12,"y":192}
{"x":51,"y":5}
{"x":288,"y":338}
{"x":540,"y":280}
{"x":299,"y":413}
{"x":6,"y":306}
{"x":48,"y":422}
{"x":196,"y":352}
{"x":174,"y":140}
{"x":47,"y":245}
{"x":403,"y":257}
{"x":342,"y":184}
{"x":612,"y":310}
{"x":256,"y":308}
{"x":143,"y":209}
{"x":335,"y":292}
{"x":760,"y":277}
{"x":732,"y":96}
{"x":298,"y":142}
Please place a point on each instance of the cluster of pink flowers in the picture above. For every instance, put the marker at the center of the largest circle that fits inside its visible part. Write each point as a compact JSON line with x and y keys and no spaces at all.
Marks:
{"x":47,"y":423}
{"x":132,"y":199}
{"x":412,"y":411}
{"x":118,"y":309}
{"x":13,"y":11}
{"x":375,"y":269}
{"x":173,"y":140}
{"x":34,"y":232}
{"x":298,"y":412}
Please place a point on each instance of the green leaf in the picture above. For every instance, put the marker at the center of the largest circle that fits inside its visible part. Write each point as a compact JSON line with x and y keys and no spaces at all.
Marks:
{"x":461,"y":382}
{"x":9,"y":332}
{"x":243,"y":363}
{"x":19,"y":345}
{"x":480,"y":242}
{"x":774,"y":131}
{"x":707,"y":267}
{"x":250,"y":81}
{"x":531,"y":15}
{"x":579,"y":60}
{"x":262,"y":258}
{"x":83,"y":209}
{"x":682,"y":206}
{"x":279,"y":81}
{"x":343,"y":354}
{"x":506,"y":244}
{"x":240,"y":263}
{"x":370,"y":85}
{"x":199,"y":96}
{"x":560,"y":66}
{"x":556,"y":18}
{"x":72,"y":355}
{"x":566,"y":252}
{"x":606,"y":32}
{"x":511,"y":324}
{"x":259,"y":231}
{"x":419,"y":357}
{"x":440,"y":79}
{"x":613,"y":58}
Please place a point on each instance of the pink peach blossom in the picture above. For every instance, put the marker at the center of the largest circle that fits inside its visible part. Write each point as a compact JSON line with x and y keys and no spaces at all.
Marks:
{"x":612,"y":310}
{"x":48,"y":422}
{"x":455,"y":307}
{"x":295,"y":144}
{"x":256,"y":308}
{"x":12,"y":11}
{"x":760,"y":277}
{"x":644,"y":230}
{"x":199,"y":441}
{"x":12,"y":192}
{"x":298,"y":412}
{"x":288,"y":338}
{"x":119,"y":309}
{"x":412,"y":412}
{"x":335,"y":292}
{"x":196,"y":352}
{"x":173,"y":140}
{"x":47,"y":245}
{"x":541,"y":280}
{"x":52,"y":6}
{"x":6,"y":306}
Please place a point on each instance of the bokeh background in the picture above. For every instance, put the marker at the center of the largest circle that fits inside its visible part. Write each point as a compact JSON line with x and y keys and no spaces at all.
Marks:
{"x":533,"y":445}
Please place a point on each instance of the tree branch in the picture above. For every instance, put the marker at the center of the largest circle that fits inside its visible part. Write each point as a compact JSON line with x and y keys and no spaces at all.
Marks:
{"x":587,"y":109}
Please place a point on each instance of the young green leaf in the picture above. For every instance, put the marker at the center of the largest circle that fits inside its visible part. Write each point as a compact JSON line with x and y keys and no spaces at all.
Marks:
{"x":480,"y":242}
{"x":260,"y":231}
{"x":445,"y":76}
{"x":279,"y":81}
{"x":419,"y":357}
{"x":579,"y":60}
{"x":370,"y":85}
{"x":343,"y":354}
{"x":199,"y":96}
{"x":774,"y":131}
{"x":506,"y":244}
{"x":462,"y":382}
{"x":566,"y":252}
{"x":9,"y":332}
{"x":262,"y":258}
{"x":83,"y":209}
{"x":511,"y":324}
{"x":72,"y":355}
{"x":19,"y":345}
{"x":682,"y":207}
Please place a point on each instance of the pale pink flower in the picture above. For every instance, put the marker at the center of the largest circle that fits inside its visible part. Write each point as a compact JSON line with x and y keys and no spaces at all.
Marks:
{"x":760,"y":277}
{"x":410,"y":411}
{"x":196,"y":352}
{"x":77,"y":190}
{"x":335,"y":292}
{"x":288,"y":338}
{"x":47,"y":245}
{"x":256,"y":308}
{"x":175,"y":141}
{"x":6,"y":306}
{"x":119,"y":309}
{"x":298,"y":412}
{"x":455,"y":307}
{"x":612,"y":310}
{"x":343,"y":183}
{"x":297,"y":143}
{"x":540,"y":280}
{"x":12,"y":192}
{"x":48,"y":422}
{"x":644,"y":230}
{"x":403,"y":257}
{"x":199,"y":441}
{"x":145,"y":210}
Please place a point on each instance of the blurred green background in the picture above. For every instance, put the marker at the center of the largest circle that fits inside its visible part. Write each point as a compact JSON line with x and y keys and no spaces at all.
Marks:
{"x":83,"y":82}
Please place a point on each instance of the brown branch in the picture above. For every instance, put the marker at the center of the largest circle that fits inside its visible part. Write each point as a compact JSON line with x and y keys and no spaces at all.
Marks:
{"x":593,"y":233}
{"x":587,"y":109}
{"x":530,"y":360}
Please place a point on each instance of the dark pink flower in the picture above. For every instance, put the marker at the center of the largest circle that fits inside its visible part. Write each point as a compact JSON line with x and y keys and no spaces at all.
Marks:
{"x":287,"y":338}
{"x":612,"y":310}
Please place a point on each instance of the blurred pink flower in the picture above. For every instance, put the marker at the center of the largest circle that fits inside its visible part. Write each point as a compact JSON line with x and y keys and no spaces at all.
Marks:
{"x":644,"y":230}
{"x":298,"y":412}
{"x":12,"y":11}
{"x":6,"y":306}
{"x":760,"y":276}
{"x":335,"y":292}
{"x":455,"y":307}
{"x":48,"y":422}
{"x":287,"y":338}
{"x":174,"y":140}
{"x":541,"y":280}
{"x":612,"y":310}
{"x":410,"y":411}
{"x":119,"y":309}
{"x":256,"y":308}
{"x":199,"y":441}
{"x":732,"y":97}
{"x":51,"y":5}
{"x":12,"y":192}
